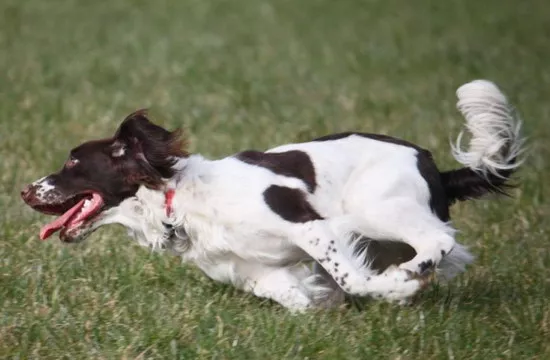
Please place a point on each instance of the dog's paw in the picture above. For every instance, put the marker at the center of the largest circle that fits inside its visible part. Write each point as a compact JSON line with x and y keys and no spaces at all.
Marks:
{"x":400,"y":285}
{"x":424,"y":264}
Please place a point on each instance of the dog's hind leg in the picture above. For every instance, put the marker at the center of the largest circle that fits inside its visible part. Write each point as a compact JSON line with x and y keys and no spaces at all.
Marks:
{"x":407,"y":221}
{"x":334,"y":249}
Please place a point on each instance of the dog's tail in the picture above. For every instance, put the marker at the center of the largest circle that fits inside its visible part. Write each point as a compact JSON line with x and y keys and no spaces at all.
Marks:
{"x":494,"y":148}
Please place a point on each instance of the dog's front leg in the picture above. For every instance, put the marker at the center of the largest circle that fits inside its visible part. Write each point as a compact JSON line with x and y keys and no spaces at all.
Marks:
{"x":281,"y":284}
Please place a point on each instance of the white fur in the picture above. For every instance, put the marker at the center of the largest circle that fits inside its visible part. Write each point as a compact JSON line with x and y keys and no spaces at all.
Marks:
{"x":234,"y":237}
{"x":493,"y":124}
{"x":454,"y":263}
{"x":230,"y":233}
{"x":364,"y":186}
{"x":44,"y":188}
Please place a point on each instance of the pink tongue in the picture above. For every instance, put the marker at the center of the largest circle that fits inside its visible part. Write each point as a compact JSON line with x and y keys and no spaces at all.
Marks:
{"x":48,"y":229}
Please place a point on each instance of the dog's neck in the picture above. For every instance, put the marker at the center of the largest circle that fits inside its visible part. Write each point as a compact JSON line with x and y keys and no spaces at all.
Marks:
{"x":155,"y":217}
{"x":168,"y":199}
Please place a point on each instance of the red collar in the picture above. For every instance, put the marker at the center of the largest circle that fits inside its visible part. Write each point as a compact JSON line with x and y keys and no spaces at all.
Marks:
{"x":168,"y":197}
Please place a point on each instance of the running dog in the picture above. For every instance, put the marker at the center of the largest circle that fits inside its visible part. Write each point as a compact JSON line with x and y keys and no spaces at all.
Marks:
{"x":302,"y":224}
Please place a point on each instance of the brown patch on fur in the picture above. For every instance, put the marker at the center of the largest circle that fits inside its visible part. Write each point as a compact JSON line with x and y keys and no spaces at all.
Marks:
{"x":292,"y":163}
{"x":153,"y":147}
{"x":140,"y":153}
{"x":383,"y":254}
{"x":290,"y":204}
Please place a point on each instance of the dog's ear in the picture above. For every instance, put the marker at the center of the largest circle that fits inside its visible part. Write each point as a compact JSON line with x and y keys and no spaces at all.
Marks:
{"x":138,"y":126}
{"x":154,"y":147}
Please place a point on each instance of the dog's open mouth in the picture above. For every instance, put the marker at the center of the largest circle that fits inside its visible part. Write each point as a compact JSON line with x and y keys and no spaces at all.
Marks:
{"x":74,"y":213}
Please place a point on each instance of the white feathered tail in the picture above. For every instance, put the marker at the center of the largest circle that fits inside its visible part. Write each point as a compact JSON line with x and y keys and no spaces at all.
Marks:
{"x":491,"y":157}
{"x":495,"y":145}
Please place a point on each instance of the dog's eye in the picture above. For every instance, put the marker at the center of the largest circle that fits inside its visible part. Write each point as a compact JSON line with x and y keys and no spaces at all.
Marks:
{"x":71,"y":162}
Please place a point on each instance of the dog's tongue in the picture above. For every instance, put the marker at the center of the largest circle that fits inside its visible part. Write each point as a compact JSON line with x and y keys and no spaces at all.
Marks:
{"x":48,"y":229}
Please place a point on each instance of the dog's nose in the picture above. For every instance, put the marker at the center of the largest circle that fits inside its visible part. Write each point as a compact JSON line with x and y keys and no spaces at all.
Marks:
{"x":26,"y":192}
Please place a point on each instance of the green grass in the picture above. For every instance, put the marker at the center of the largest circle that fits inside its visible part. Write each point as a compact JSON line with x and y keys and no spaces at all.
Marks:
{"x":253,"y":74}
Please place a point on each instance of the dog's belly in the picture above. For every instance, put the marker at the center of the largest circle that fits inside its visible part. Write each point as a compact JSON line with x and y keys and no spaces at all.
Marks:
{"x":285,"y":257}
{"x":222,"y":269}
{"x":268,"y":249}
{"x":231,"y":268}
{"x":227,"y":257}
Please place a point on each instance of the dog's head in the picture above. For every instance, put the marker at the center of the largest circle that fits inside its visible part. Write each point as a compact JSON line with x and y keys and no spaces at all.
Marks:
{"x":100,"y":174}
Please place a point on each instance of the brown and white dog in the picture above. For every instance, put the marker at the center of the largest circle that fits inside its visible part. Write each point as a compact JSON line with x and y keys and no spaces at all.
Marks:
{"x":302,"y":224}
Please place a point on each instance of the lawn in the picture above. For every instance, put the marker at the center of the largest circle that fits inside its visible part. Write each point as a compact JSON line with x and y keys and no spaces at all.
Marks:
{"x":253,"y":74}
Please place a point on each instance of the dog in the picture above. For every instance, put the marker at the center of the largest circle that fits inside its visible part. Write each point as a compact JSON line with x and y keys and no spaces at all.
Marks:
{"x":302,"y":224}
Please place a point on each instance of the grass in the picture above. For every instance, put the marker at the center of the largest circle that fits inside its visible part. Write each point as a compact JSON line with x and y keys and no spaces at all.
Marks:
{"x":254,"y":74}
